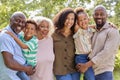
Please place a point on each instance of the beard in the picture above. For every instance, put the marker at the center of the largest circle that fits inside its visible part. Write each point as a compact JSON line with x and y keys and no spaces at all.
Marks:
{"x":99,"y":26}
{"x":99,"y":22}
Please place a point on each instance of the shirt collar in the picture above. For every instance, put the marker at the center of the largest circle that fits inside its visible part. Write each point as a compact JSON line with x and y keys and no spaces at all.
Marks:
{"x":105,"y":26}
{"x":8,"y":28}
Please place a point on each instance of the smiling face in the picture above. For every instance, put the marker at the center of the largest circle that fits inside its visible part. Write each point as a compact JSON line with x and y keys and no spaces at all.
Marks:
{"x":69,"y":20}
{"x":17,"y":22}
{"x":30,"y":30}
{"x":83,"y":20}
{"x":44,"y":28}
{"x":100,"y":16}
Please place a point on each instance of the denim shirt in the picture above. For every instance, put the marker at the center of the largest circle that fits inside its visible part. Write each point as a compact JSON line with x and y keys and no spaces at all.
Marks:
{"x":8,"y":44}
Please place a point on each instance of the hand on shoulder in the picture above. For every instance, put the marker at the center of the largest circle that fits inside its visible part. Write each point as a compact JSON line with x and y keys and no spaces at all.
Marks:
{"x":113,"y":25}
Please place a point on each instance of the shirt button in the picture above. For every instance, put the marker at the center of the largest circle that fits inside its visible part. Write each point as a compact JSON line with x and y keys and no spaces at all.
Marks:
{"x":65,"y":57}
{"x":65,"y":41}
{"x":65,"y":65}
{"x":65,"y":50}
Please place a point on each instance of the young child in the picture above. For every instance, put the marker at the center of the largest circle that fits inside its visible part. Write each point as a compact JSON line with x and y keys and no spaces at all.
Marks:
{"x":82,"y":39}
{"x":29,"y":43}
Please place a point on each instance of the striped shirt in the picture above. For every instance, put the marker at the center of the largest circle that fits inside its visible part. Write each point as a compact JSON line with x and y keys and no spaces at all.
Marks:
{"x":82,"y":39}
{"x":30,"y":54}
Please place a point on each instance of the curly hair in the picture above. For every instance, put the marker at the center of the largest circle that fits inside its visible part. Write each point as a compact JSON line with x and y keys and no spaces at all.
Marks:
{"x":30,"y":21}
{"x":60,"y":18}
{"x":40,"y":19}
{"x":80,"y":10}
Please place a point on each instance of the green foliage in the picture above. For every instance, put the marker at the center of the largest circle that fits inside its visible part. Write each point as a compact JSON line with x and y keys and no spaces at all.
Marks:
{"x":117,"y":60}
{"x":49,"y":8}
{"x":117,"y":74}
{"x":117,"y":15}
{"x":46,"y":8}
{"x":7,"y":8}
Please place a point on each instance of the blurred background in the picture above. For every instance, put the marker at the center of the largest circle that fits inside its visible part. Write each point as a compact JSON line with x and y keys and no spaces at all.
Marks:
{"x":49,"y":8}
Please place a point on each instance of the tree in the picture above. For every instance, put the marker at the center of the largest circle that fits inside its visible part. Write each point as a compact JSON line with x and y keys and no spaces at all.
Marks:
{"x":34,"y":7}
{"x":7,"y":8}
{"x":49,"y":8}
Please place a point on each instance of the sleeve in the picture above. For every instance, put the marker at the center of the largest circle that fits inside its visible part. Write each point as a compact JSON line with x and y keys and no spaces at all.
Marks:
{"x":32,"y":44}
{"x":110,"y":47}
{"x":6,"y":44}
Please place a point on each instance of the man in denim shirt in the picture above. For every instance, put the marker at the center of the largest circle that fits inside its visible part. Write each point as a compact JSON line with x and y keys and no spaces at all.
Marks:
{"x":11,"y":58}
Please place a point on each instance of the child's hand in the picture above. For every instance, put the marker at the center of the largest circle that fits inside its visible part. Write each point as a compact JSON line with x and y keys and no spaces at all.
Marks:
{"x":29,"y":70}
{"x":82,"y":67}
{"x":113,"y":25}
{"x":92,"y":26}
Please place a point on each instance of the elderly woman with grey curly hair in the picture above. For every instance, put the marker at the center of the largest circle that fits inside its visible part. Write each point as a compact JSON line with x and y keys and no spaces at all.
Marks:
{"x":45,"y":54}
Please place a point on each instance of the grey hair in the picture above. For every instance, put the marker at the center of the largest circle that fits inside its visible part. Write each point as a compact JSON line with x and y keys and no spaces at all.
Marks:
{"x":17,"y":13}
{"x":39,"y":19}
{"x":98,"y":7}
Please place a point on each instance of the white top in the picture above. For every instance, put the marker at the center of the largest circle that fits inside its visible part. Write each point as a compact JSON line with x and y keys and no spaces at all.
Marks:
{"x":82,"y":39}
